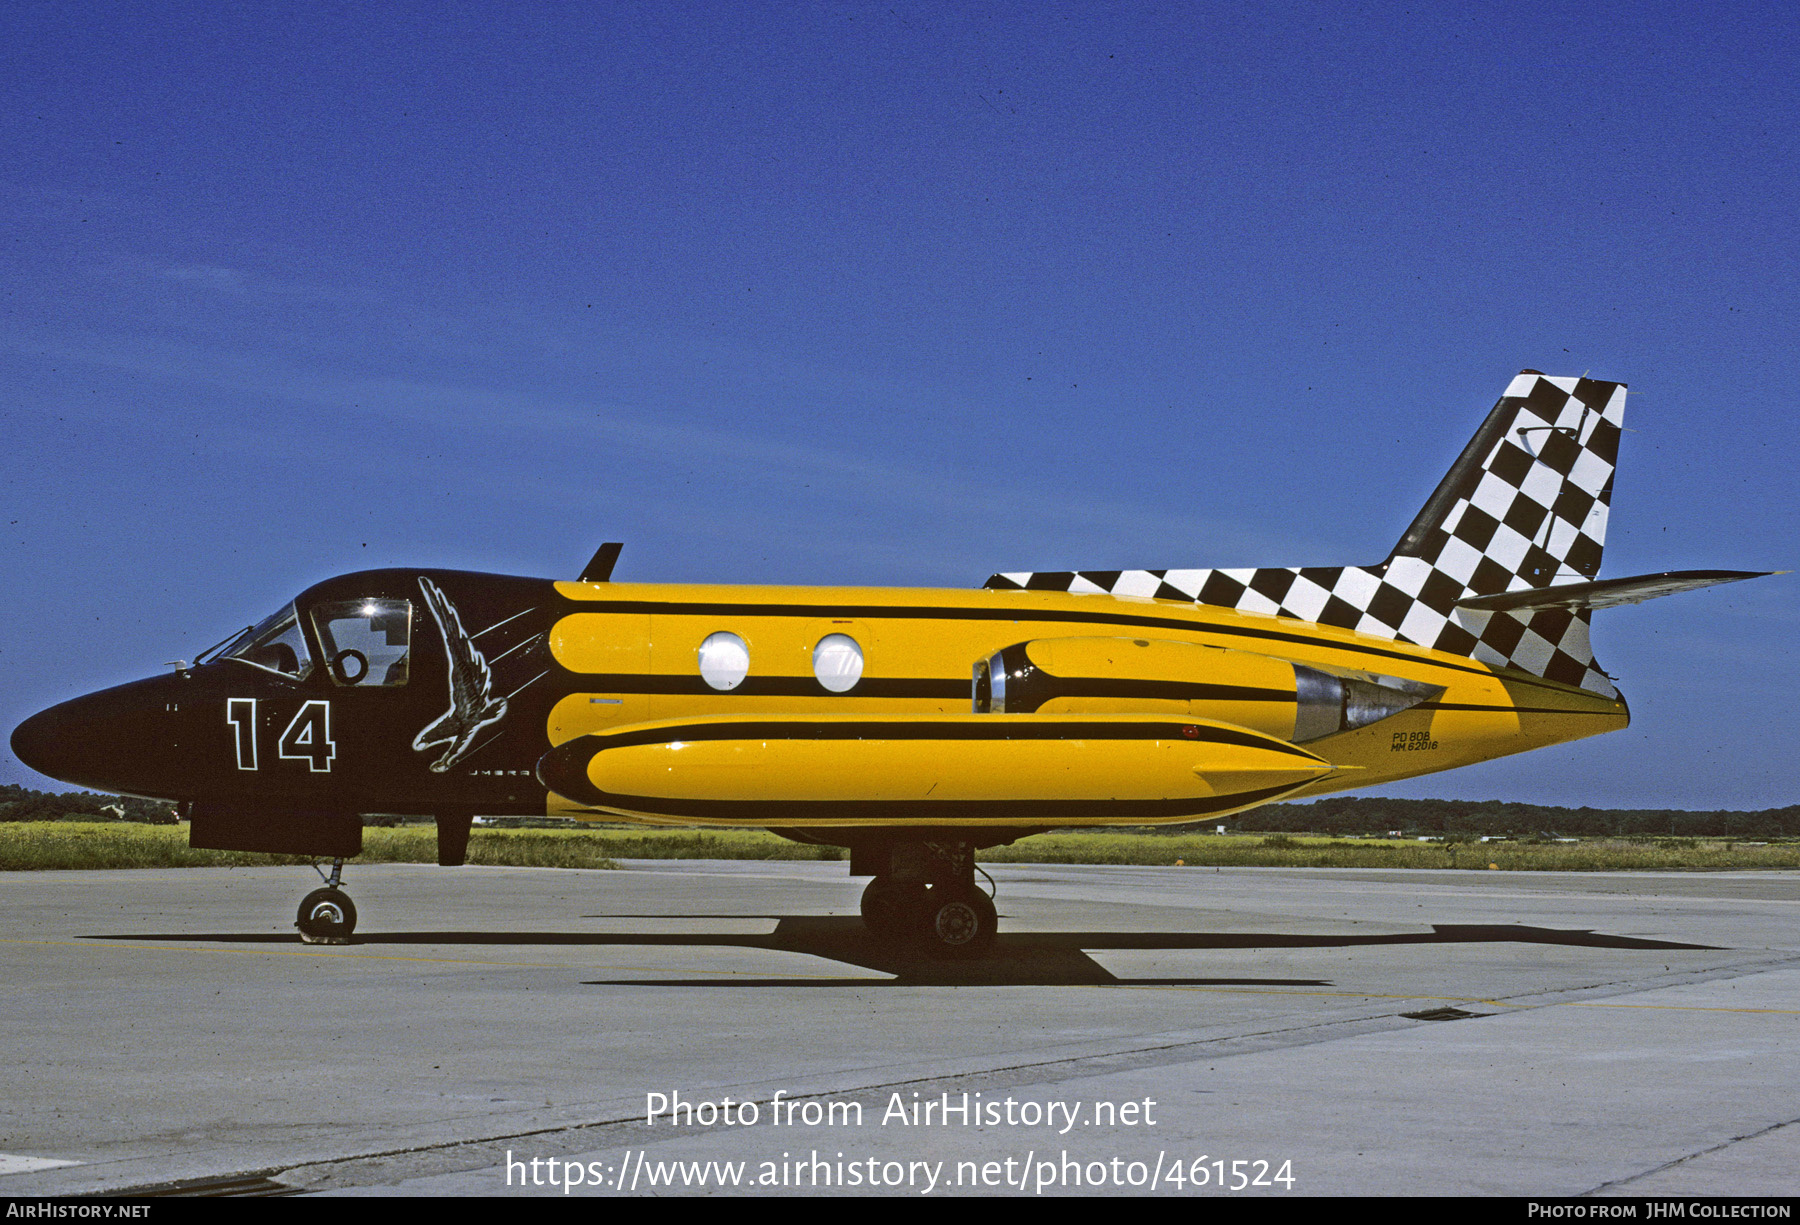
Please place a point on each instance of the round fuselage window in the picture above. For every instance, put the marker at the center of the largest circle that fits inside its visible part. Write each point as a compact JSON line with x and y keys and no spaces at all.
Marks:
{"x":838,"y":662}
{"x":724,"y":660}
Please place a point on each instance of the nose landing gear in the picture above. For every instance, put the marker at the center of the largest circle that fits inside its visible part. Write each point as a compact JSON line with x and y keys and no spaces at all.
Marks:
{"x":327,"y":916}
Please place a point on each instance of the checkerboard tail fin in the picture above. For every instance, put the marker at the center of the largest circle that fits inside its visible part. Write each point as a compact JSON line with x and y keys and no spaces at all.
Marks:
{"x":1526,"y":502}
{"x":1523,"y":507}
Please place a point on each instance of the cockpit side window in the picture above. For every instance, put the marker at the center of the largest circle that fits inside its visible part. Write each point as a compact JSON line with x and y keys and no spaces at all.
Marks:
{"x":365,"y":642}
{"x":275,"y":644}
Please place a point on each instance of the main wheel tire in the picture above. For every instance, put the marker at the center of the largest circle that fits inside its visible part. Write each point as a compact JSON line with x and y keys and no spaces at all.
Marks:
{"x":326,"y":914}
{"x":890,"y":909}
{"x":959,"y":921}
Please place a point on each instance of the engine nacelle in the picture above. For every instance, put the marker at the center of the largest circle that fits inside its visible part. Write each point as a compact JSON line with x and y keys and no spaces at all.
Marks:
{"x":1293,"y":701}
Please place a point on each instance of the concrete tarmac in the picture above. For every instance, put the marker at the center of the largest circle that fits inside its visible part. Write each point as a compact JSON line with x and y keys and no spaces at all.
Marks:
{"x":1139,"y":1031}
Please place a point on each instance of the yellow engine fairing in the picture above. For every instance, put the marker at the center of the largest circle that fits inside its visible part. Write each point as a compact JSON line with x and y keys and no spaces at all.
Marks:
{"x":1160,"y":659}
{"x":648,"y":637}
{"x":839,"y":762}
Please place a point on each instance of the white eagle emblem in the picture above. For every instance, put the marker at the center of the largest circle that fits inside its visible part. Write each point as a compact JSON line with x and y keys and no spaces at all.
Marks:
{"x":473,"y":705}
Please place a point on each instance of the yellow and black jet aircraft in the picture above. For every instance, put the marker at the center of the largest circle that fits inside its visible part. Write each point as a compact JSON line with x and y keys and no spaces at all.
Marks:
{"x":912,"y":726}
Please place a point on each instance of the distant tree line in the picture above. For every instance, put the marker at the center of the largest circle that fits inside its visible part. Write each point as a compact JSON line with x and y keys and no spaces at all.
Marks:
{"x":1373,"y":815}
{"x":1339,"y":815}
{"x":23,"y":804}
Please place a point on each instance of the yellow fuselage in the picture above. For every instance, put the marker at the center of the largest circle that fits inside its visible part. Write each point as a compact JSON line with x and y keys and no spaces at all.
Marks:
{"x":640,"y":644}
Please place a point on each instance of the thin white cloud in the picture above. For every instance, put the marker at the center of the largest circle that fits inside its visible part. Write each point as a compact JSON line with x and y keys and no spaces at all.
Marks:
{"x":205,"y":276}
{"x":488,"y":419}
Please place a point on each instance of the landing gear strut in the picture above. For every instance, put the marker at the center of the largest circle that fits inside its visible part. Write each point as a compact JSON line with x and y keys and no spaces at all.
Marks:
{"x":928,"y":898}
{"x":327,"y":916}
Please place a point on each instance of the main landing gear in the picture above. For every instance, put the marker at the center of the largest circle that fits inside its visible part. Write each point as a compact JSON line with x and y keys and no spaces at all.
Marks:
{"x":928,"y":899}
{"x":327,"y":916}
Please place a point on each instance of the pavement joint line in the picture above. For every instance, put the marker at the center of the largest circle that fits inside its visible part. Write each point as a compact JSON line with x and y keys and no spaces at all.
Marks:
{"x":1042,"y":1065}
{"x":1719,"y":973}
{"x":1672,"y":1007}
{"x":1454,"y":999}
{"x":876,"y":1086}
{"x":1724,"y":1144}
{"x":877,"y":1083}
{"x":1331,"y":995}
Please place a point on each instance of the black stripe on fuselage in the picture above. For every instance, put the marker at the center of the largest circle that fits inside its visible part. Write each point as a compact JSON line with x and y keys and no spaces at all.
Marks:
{"x":988,"y":727}
{"x":926,"y":688}
{"x":665,"y":685}
{"x":943,"y":812}
{"x":1171,"y":691}
{"x":1505,"y":710}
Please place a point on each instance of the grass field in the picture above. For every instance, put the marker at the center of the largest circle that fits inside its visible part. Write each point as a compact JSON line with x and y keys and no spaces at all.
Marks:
{"x":40,"y":845}
{"x":35,"y":845}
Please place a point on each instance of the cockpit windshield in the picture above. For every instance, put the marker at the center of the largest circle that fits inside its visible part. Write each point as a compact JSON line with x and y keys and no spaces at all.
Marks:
{"x":274,"y":643}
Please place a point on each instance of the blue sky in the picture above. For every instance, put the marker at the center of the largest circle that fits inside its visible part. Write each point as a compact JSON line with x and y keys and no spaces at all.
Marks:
{"x":890,"y":294}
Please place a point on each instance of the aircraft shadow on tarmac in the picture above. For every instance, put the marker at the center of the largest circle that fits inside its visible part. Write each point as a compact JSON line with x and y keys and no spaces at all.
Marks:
{"x":1018,"y":959}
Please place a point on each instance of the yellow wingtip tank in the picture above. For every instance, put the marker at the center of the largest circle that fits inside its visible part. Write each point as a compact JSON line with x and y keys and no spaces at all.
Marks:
{"x":986,"y":770}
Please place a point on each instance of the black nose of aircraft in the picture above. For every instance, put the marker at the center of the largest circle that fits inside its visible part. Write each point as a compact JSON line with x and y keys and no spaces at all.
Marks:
{"x":115,"y":740}
{"x":46,"y":743}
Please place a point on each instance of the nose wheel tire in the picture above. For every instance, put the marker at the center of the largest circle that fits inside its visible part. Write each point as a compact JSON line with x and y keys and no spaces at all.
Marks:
{"x":326,"y":916}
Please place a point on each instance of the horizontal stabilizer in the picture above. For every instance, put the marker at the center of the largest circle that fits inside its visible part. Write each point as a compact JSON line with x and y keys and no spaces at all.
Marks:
{"x":1581,"y":597}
